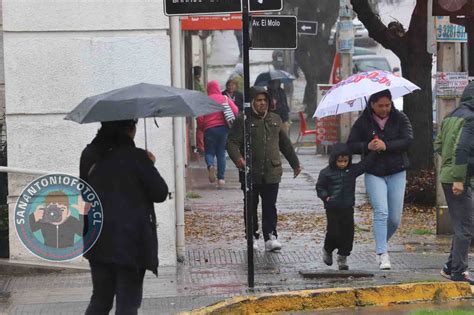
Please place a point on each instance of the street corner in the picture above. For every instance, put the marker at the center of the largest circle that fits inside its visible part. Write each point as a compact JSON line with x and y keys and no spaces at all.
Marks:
{"x":330,"y":298}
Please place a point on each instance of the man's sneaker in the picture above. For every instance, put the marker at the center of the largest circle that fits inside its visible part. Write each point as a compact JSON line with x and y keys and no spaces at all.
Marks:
{"x":220,"y":183}
{"x":212,"y":173}
{"x":464,"y":277}
{"x":446,"y":272}
{"x":327,"y":257}
{"x":384,"y":261}
{"x":272,"y":244}
{"x":342,"y":262}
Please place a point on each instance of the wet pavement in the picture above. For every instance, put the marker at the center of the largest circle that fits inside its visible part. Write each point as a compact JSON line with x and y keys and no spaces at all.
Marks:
{"x":215,"y":267}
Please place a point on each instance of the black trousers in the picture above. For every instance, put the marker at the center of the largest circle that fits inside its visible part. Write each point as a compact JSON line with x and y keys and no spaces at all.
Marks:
{"x":461,"y":211}
{"x":269,"y":194}
{"x":339,"y":231}
{"x":109,"y":280}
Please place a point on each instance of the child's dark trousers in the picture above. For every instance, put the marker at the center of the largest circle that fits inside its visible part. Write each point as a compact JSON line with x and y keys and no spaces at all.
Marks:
{"x":339,"y":231}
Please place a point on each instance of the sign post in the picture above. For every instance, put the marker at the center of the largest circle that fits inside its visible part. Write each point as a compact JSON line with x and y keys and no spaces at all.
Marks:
{"x":270,"y":32}
{"x":248,"y":198}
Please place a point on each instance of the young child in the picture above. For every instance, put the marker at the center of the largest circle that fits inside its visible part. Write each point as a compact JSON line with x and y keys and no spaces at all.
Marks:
{"x":336,"y":187}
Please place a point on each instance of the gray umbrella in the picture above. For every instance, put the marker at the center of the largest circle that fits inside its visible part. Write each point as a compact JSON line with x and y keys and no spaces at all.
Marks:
{"x":143,"y":100}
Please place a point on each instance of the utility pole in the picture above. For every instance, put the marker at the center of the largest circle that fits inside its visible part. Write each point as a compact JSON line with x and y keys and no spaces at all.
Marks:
{"x":345,"y":47}
{"x":449,"y":60}
{"x":248,"y":199}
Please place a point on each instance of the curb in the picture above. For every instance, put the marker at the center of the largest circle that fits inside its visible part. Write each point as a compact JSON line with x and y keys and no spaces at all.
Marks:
{"x":13,"y":268}
{"x":338,"y":298}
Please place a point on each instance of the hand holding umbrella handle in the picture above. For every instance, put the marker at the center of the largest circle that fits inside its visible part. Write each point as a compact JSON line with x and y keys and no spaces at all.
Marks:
{"x":151,"y":156}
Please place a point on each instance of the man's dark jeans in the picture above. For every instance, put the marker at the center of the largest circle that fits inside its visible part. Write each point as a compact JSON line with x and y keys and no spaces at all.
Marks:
{"x":461,"y":213}
{"x":269,"y":195}
{"x":111,"y":280}
{"x":339,"y":231}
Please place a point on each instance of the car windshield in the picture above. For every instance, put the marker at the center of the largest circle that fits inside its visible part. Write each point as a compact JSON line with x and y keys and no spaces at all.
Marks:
{"x":371,"y":64}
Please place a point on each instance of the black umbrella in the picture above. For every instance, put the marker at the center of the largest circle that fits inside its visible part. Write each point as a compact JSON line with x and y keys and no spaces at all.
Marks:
{"x":265,"y":77}
{"x":143,"y":100}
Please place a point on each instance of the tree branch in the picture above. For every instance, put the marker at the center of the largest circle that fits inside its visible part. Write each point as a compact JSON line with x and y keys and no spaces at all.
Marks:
{"x":377,"y":30}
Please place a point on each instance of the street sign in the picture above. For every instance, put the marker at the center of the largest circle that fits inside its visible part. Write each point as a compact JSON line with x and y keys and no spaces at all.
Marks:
{"x":308,"y":27}
{"x":273,"y":32}
{"x":203,"y":7}
{"x":265,"y":5}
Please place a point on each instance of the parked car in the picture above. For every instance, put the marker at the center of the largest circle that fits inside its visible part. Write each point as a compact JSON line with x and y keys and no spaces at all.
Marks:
{"x":361,"y":34}
{"x":362,"y":63}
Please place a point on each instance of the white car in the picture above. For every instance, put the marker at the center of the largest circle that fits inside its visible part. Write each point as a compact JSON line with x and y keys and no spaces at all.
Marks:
{"x":361,"y":34}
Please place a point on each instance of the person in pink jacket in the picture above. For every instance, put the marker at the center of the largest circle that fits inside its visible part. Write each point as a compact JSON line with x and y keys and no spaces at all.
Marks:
{"x":215,"y":128}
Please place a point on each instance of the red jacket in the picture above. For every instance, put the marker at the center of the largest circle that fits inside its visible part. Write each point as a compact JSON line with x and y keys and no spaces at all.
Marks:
{"x":215,"y":119}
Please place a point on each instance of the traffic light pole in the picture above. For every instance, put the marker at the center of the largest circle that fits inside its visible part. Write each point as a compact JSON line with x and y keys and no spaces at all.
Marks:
{"x":248,"y":144}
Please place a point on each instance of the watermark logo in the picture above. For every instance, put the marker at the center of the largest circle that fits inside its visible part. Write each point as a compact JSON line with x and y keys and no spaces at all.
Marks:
{"x":58,"y":217}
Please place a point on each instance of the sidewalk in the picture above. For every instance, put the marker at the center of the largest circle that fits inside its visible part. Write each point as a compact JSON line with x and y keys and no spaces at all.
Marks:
{"x":215,"y":267}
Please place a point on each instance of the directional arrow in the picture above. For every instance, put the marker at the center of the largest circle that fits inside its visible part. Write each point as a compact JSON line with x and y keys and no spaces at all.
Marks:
{"x":307,"y":27}
{"x":265,"y":5}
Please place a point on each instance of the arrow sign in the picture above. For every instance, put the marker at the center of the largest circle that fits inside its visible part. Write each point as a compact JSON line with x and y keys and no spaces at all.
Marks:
{"x":307,"y":27}
{"x":265,"y":5}
{"x":203,"y":7}
{"x":273,"y":32}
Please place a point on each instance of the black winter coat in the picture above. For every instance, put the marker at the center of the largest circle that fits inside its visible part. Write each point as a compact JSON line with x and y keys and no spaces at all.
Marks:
{"x":127,"y":184}
{"x":340,"y":184}
{"x":397,"y":135}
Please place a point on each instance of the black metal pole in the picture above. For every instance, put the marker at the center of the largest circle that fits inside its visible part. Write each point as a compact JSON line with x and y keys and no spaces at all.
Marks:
{"x":248,"y":143}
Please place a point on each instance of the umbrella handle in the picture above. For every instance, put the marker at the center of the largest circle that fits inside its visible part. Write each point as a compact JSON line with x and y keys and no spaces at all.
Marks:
{"x":146,"y":143}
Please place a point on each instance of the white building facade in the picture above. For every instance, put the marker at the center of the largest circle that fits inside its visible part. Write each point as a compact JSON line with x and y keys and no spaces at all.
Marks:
{"x":57,"y":53}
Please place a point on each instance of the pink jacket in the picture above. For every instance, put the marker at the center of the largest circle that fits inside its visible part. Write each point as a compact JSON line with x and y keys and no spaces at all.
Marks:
{"x":215,"y":119}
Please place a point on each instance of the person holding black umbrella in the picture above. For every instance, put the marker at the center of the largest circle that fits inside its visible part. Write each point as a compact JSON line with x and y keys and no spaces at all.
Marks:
{"x":127,"y":183}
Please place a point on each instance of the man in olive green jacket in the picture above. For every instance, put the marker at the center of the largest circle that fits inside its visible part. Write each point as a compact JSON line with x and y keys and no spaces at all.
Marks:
{"x":455,"y":144}
{"x":268,"y":140}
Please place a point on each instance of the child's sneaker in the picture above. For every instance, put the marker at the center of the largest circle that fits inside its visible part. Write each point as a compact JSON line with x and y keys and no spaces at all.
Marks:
{"x":446,"y":272}
{"x":327,"y":257}
{"x":463,"y":277}
{"x":342,"y":262}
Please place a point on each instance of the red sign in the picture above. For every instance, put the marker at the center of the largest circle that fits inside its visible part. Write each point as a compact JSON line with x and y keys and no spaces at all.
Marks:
{"x":204,"y":23}
{"x":327,"y":130}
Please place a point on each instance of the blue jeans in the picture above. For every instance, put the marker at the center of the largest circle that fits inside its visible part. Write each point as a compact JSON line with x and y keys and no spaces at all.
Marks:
{"x":215,"y":140}
{"x":386,"y":195}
